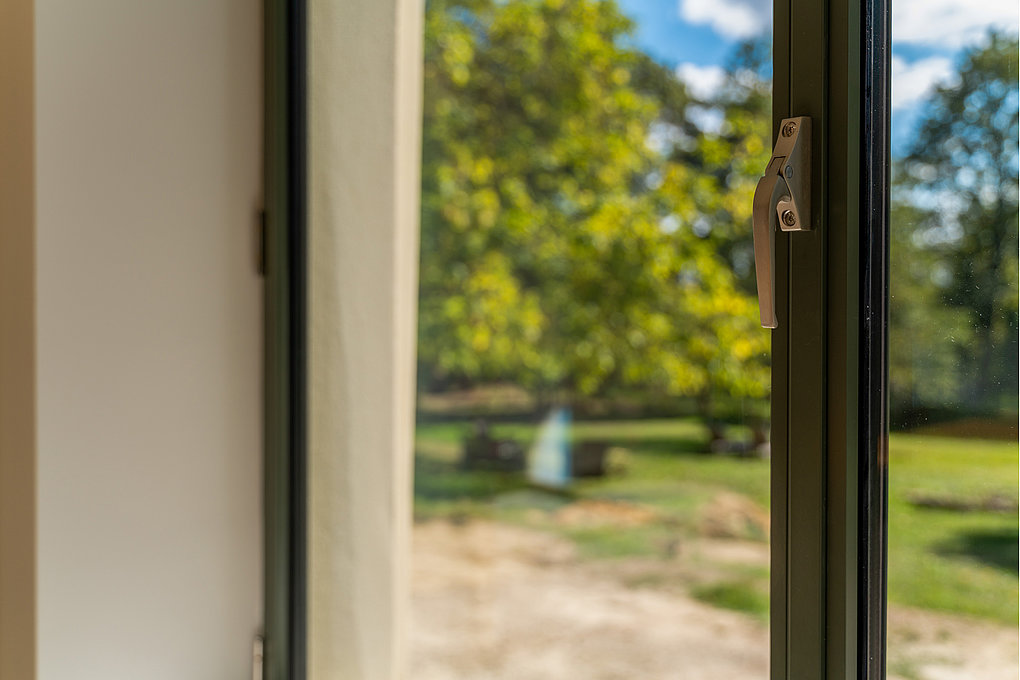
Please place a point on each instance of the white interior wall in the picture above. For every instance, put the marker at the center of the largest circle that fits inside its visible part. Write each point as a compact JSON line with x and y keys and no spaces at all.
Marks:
{"x":149,"y":338}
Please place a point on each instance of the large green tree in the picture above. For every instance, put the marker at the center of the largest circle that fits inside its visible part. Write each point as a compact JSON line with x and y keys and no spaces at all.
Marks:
{"x":555,"y":253}
{"x":715,"y":170}
{"x":709,"y":178}
{"x":955,"y":237}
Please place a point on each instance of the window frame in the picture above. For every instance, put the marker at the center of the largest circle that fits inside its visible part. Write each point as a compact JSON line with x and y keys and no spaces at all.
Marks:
{"x":829,"y":431}
{"x":829,"y":434}
{"x":283,"y":263}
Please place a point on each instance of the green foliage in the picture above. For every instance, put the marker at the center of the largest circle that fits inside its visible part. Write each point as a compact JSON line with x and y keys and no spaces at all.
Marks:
{"x":531,"y":233}
{"x":545,"y":259}
{"x":954,"y":263}
{"x":926,"y":336}
{"x":715,"y":169}
{"x":709,"y":184}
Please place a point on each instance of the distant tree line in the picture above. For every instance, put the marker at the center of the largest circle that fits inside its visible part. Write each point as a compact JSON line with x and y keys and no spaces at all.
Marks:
{"x":953,"y":334}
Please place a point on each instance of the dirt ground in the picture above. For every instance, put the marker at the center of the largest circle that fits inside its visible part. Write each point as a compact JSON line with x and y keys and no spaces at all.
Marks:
{"x":497,"y":602}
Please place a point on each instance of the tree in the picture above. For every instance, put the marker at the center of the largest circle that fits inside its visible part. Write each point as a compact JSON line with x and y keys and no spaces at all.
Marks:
{"x":531,"y":232}
{"x":926,"y":335}
{"x":549,"y":256}
{"x":709,"y":183}
{"x":715,"y":170}
{"x":959,"y":179}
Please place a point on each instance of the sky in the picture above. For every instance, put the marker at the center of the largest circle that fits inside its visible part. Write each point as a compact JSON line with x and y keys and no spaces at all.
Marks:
{"x":696,"y":37}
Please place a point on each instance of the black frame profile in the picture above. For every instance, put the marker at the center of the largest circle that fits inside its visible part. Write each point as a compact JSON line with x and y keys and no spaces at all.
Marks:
{"x":285,"y":303}
{"x":874,"y":347}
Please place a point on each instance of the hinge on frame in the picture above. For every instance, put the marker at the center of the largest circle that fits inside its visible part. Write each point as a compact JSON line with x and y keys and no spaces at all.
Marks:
{"x":257,"y":667}
{"x":261,"y":242}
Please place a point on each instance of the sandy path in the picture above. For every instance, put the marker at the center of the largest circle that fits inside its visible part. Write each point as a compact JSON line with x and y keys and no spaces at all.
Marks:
{"x":493,"y":602}
{"x":496,"y":602}
{"x":938,"y":647}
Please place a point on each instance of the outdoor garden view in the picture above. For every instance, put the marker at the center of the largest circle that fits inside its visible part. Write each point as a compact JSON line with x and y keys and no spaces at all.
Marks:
{"x":591,"y":489}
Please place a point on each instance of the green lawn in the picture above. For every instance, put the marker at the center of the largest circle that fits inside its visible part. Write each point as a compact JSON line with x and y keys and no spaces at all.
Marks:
{"x":945,"y":559}
{"x":950,"y":560}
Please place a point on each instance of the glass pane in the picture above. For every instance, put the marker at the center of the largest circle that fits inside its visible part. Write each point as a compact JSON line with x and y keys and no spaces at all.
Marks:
{"x":591,"y":472}
{"x":953,"y":597}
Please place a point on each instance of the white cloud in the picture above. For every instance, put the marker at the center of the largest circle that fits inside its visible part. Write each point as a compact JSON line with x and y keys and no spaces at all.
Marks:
{"x":734,"y":19}
{"x":951,"y":23}
{"x":938,"y":23}
{"x":912,"y":82}
{"x":702,"y":81}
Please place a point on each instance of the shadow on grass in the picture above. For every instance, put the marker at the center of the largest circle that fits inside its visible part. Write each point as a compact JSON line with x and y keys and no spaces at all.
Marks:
{"x":996,"y":548}
{"x":738,"y":596}
{"x":660,"y":446}
{"x":439,"y":480}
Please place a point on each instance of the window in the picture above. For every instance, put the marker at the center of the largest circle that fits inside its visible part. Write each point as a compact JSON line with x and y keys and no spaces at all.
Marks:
{"x":953,"y":346}
{"x":827,"y":486}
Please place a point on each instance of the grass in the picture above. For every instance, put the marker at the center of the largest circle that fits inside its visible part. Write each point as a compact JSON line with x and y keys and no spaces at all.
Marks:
{"x":741,"y":596}
{"x":665,"y":472}
{"x":940,"y":559}
{"x":960,"y":562}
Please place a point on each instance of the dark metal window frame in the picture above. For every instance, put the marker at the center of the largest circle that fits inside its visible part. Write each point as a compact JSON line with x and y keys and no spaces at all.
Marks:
{"x":284,"y":259}
{"x":829,"y":431}
{"x":831,"y":62}
{"x":873,"y":427}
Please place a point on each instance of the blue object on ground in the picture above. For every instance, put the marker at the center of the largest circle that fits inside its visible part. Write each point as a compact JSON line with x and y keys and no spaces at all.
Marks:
{"x":549,"y":462}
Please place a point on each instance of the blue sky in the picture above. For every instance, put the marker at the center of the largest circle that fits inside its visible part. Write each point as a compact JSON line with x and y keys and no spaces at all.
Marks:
{"x":662,"y":33}
{"x":696,"y":37}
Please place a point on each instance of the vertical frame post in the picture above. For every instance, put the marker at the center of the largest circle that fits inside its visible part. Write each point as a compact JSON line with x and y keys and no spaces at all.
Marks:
{"x":799,"y":398}
{"x":830,"y":63}
{"x":874,"y":338}
{"x":18,"y":377}
{"x":284,"y":262}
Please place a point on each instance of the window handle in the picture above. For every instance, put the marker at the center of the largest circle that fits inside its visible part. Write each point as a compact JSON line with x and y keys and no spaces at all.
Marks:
{"x":782,"y":196}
